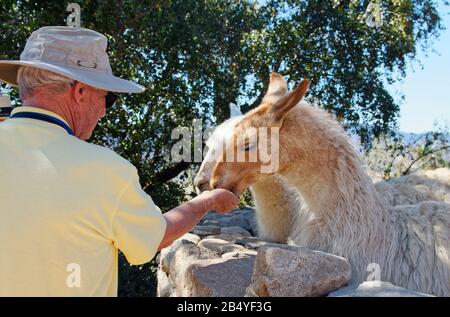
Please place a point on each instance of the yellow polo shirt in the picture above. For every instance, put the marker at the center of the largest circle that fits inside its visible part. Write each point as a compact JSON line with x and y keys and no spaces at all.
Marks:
{"x":66,"y":207}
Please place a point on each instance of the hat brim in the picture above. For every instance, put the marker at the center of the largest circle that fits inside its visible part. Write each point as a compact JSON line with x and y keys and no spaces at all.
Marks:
{"x":109,"y":82}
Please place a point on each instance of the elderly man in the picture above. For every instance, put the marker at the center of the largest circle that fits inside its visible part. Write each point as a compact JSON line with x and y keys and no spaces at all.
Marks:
{"x":67,"y":206}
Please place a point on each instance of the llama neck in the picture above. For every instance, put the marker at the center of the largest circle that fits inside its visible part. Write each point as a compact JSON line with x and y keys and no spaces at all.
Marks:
{"x":277,"y":206}
{"x":334,"y":188}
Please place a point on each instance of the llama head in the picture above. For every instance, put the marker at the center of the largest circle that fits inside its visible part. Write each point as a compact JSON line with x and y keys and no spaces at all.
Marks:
{"x":214,"y":145}
{"x":244,"y":159}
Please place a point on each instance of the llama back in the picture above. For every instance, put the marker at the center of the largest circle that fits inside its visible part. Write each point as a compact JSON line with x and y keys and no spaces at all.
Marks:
{"x":414,"y":188}
{"x":421,"y":257}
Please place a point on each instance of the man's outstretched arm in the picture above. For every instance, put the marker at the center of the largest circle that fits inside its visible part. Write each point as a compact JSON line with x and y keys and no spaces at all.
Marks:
{"x":183,"y":218}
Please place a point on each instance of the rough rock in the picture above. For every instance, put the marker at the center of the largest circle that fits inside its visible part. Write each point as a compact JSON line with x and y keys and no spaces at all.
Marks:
{"x":165,"y":287}
{"x":180,"y":264}
{"x":220,"y":246}
{"x":235,"y":231}
{"x":294,"y":271}
{"x":225,"y":277}
{"x":166,"y":254}
{"x":206,"y":230}
{"x":238,"y":218}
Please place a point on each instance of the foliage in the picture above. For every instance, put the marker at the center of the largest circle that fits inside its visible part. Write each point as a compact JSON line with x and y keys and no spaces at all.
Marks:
{"x":196,"y":56}
{"x":346,"y":60}
{"x":137,"y":280}
{"x":398,"y":155}
{"x":246,"y":199}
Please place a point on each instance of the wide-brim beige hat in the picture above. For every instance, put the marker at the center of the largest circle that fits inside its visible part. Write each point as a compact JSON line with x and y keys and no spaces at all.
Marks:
{"x":77,"y":53}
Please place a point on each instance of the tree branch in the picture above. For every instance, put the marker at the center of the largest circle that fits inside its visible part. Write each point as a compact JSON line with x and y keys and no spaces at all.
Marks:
{"x":417,"y":169}
{"x":170,"y":172}
{"x":421,"y":157}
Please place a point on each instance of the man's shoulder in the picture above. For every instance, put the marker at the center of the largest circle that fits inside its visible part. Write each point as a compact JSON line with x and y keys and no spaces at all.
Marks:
{"x":101,"y":154}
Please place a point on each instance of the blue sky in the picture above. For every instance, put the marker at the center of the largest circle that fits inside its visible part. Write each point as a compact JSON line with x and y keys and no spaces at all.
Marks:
{"x":427,"y":87}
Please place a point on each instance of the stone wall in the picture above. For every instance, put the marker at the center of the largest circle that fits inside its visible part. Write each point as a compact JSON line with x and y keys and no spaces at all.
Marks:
{"x":221,"y":257}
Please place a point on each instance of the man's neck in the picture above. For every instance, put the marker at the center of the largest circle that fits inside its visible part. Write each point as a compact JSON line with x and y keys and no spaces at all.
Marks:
{"x":54,"y":103}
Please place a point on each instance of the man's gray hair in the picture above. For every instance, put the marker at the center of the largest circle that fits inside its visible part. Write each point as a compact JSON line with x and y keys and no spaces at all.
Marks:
{"x":31,"y":79}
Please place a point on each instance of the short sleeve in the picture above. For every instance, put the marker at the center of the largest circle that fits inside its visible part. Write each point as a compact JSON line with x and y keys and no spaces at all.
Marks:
{"x":138,"y":224}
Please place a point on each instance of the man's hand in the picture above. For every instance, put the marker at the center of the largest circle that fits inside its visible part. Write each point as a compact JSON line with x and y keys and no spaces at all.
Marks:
{"x":183,"y":218}
{"x":220,"y":200}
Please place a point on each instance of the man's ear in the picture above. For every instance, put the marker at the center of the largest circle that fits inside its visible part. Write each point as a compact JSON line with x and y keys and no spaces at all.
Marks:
{"x":78,"y":92}
{"x":282,"y":107}
{"x":277,"y":88}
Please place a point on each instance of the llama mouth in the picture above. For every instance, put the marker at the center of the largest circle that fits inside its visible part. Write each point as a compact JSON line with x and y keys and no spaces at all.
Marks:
{"x":200,"y":188}
{"x":235,"y":191}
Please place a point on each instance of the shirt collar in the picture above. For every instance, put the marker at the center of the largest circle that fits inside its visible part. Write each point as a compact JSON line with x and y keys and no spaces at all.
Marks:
{"x":38,"y":110}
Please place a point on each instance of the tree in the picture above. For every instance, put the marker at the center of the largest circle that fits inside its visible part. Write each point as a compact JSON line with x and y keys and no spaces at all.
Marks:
{"x":196,"y":56}
{"x":348,"y":61}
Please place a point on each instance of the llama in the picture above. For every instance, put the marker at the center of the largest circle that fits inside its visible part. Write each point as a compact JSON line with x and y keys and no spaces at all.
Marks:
{"x":340,"y":208}
{"x":276,"y":203}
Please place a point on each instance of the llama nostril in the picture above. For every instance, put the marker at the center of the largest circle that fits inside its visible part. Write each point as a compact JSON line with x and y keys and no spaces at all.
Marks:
{"x":214,"y":185}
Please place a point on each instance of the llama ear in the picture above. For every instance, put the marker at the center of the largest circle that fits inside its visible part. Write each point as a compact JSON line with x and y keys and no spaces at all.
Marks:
{"x":235,"y":110}
{"x":281,"y":108}
{"x":277,"y":88}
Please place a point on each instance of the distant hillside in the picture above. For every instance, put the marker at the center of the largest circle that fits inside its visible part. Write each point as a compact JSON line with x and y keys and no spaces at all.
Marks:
{"x":409,"y":137}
